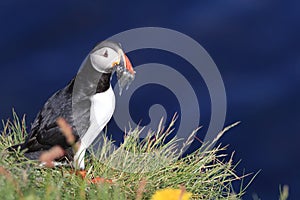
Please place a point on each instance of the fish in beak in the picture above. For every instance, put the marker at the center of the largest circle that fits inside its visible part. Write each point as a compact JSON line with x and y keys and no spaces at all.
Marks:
{"x":125,"y":73}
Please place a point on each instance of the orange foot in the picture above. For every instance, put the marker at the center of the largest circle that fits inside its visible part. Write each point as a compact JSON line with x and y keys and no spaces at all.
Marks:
{"x":95,"y":180}
{"x":81,"y":173}
{"x":99,"y":180}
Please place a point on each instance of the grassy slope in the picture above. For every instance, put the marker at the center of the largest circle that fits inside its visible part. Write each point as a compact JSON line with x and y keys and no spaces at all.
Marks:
{"x":203,"y":173}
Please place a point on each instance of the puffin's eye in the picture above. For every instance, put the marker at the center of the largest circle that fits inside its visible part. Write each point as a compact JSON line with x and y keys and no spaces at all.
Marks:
{"x":105,"y":54}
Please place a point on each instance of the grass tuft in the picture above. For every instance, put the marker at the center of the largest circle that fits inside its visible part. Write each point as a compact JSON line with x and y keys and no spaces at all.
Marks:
{"x":137,"y":169}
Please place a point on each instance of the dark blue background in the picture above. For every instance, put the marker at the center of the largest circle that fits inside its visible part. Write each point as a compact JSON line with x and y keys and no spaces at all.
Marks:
{"x":255,"y":45}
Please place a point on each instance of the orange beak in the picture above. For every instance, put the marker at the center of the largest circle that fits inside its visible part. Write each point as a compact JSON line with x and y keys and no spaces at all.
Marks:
{"x":129,"y":65}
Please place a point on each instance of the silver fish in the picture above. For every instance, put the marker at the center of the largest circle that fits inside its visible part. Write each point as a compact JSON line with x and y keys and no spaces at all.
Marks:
{"x":125,"y":78}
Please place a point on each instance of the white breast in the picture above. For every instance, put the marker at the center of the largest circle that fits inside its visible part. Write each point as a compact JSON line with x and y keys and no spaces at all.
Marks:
{"x":102,"y":107}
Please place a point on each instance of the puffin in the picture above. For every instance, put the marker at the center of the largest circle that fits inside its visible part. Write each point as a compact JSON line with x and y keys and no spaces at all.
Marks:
{"x":87,"y":103}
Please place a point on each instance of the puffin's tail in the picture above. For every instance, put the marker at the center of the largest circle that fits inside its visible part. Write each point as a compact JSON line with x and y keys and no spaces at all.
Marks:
{"x":29,"y":145}
{"x":29,"y":153}
{"x":16,"y":147}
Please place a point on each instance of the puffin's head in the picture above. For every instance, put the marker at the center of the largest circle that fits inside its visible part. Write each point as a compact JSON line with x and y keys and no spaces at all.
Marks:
{"x":108,"y":57}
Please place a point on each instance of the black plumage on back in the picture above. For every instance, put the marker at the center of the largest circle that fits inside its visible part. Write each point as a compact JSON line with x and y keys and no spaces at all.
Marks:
{"x":45,"y":132}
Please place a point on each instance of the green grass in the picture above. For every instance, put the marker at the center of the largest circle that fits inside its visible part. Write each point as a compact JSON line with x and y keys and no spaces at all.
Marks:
{"x":204,"y":173}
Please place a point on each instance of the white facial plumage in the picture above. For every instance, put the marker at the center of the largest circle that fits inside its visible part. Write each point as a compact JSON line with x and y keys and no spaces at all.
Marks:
{"x":103,"y":59}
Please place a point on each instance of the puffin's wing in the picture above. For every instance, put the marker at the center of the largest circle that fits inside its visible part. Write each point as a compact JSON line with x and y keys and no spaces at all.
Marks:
{"x":44,"y":130}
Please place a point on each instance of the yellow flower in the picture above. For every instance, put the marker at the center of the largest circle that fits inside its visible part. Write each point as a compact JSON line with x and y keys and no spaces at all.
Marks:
{"x":171,"y":194}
